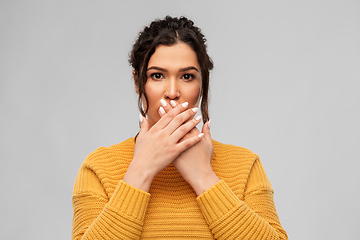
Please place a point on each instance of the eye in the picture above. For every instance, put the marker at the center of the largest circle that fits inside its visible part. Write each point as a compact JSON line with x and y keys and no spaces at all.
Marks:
{"x":188,"y":76}
{"x":156,"y":76}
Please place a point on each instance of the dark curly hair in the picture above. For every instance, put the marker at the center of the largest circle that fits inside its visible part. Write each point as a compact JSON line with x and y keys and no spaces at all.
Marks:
{"x":169,"y":31}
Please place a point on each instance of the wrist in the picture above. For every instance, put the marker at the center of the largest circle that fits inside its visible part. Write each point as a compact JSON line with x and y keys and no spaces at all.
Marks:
{"x":138,"y":178}
{"x":205,"y":183}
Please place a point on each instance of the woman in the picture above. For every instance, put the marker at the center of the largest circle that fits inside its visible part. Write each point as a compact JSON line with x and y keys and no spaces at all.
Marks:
{"x":171,"y":181}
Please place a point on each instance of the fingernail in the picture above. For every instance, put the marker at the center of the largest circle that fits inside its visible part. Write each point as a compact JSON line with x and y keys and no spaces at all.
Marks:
{"x":162,"y":110}
{"x":198,"y":118}
{"x":185,"y":104}
{"x":209,"y":123}
{"x":173,"y":103}
{"x":141,"y":118}
{"x":195,"y":109}
{"x":163,"y":102}
{"x":200,"y":135}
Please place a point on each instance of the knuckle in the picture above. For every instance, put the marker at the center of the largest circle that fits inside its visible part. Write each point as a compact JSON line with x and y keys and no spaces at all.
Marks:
{"x":195,"y":122}
{"x":179,"y":118}
{"x":162,"y":134}
{"x":172,"y":114}
{"x":187,"y":144}
{"x":183,"y":129}
{"x":167,"y":108}
{"x":190,"y":112}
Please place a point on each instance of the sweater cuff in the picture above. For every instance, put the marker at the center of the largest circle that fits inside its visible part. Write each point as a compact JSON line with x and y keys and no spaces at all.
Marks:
{"x":130,"y":200}
{"x":217,"y":201}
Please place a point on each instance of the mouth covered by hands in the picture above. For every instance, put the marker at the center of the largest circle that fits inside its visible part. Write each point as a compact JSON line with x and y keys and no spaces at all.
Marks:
{"x":160,"y":145}
{"x":173,"y":139}
{"x":194,"y":164}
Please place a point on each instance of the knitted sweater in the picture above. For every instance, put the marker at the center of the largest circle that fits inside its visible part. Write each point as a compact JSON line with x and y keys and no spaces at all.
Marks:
{"x":239,"y":206}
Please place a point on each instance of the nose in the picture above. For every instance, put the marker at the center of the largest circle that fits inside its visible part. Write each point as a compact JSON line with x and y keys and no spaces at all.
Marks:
{"x":172,"y":91}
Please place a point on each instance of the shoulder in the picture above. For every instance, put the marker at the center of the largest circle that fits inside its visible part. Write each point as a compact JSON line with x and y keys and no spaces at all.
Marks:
{"x":104,"y":167}
{"x":232,"y":152}
{"x":233,"y":159}
{"x":103,"y":155}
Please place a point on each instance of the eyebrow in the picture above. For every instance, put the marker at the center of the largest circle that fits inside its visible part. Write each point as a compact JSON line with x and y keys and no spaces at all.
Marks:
{"x":181,"y":69}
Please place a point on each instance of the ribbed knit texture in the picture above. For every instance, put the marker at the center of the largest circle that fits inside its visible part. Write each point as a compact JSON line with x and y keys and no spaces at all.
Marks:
{"x":240,"y":206}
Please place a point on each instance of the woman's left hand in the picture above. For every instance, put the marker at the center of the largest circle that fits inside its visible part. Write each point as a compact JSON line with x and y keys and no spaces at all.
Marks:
{"x":194,"y":164}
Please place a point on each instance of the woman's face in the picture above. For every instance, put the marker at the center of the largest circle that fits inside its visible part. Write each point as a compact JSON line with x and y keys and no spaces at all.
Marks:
{"x":173,"y":73}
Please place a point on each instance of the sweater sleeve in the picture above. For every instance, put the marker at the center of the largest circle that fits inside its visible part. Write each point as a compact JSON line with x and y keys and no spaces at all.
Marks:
{"x":98,"y":217}
{"x":254,"y":218}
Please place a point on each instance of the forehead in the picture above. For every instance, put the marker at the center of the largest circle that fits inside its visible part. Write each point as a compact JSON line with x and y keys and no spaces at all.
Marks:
{"x":179,"y":55}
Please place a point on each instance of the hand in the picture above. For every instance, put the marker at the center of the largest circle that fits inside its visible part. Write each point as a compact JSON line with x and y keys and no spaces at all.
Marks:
{"x":157,"y":147}
{"x":194,"y":164}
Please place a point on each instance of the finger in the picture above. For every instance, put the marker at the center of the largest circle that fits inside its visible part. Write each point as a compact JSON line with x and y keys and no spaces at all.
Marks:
{"x":206,"y":131}
{"x":188,"y":143}
{"x":180,"y":119}
{"x":144,"y":126}
{"x":173,"y":103}
{"x":167,"y":118}
{"x":161,"y":112}
{"x":190,"y":134}
{"x":166,"y":106}
{"x":181,"y":133}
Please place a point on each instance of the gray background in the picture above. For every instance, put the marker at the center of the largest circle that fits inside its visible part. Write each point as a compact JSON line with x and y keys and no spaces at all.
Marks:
{"x":285,"y":85}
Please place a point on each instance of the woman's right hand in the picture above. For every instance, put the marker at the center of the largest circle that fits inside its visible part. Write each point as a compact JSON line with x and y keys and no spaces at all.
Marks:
{"x":159,"y":146}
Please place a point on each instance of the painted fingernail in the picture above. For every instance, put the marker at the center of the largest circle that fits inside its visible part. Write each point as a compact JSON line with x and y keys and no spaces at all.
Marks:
{"x":141,"y":118}
{"x":195,"y":109}
{"x":163,"y":102}
{"x":173,"y":103}
{"x":198,"y":118}
{"x":209,"y":123}
{"x":185,"y":104}
{"x":200,"y":135}
{"x":161,"y":110}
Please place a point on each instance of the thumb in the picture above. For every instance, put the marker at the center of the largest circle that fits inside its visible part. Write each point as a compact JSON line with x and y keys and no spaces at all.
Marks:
{"x":144,"y":125}
{"x":206,"y":131}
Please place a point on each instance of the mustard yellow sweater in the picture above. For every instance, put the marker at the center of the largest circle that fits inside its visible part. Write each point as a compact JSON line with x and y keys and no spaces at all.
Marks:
{"x":240,"y":206}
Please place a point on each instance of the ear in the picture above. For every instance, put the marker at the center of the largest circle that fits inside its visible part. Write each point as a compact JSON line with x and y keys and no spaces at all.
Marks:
{"x":134,"y":74}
